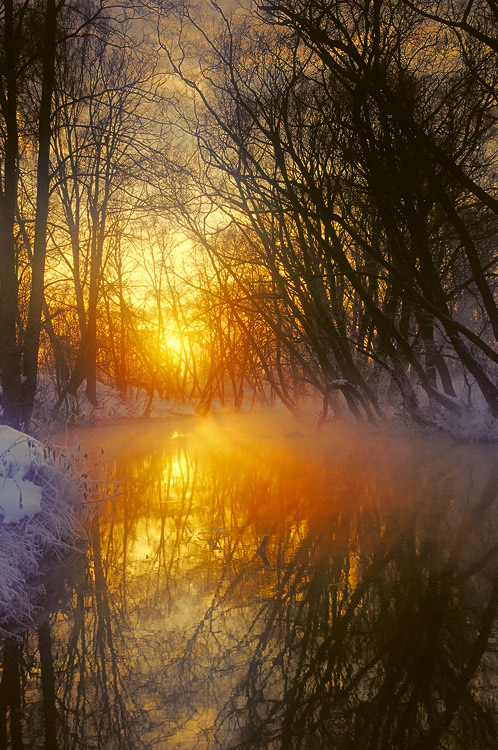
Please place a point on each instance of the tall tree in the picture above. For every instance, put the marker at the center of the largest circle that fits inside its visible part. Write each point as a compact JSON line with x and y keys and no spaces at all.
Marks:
{"x":32,"y":34}
{"x":350,"y":150}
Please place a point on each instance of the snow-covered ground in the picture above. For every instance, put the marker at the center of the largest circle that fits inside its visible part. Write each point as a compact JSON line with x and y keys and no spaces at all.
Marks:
{"x":473,"y":424}
{"x":111,"y":407}
{"x":41,"y":499}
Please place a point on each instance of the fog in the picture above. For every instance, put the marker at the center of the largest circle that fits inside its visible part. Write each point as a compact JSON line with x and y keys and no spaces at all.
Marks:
{"x":250,"y":582}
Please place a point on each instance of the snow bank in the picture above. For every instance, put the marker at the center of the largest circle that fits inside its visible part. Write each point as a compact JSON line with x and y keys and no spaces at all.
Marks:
{"x":40,"y":520}
{"x":20,"y":456}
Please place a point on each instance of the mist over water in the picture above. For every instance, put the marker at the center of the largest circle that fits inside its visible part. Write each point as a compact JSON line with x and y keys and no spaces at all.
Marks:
{"x":251,"y":583}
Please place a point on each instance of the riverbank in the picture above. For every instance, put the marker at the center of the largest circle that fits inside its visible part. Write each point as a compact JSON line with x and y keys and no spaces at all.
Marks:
{"x":42,"y":502}
{"x":473,"y":423}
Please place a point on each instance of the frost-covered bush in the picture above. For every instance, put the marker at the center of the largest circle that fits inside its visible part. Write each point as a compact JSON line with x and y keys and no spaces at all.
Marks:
{"x":41,"y":507}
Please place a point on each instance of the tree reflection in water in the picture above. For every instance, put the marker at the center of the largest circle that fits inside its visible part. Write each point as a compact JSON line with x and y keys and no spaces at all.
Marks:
{"x":370,"y":624}
{"x":378,"y":643}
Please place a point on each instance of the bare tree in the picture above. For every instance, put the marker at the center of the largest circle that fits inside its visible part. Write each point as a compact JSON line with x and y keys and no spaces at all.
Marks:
{"x":332,"y":157}
{"x":32,"y":36}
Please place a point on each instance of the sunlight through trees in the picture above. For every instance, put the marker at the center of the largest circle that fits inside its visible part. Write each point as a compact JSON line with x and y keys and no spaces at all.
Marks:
{"x":223,"y":203}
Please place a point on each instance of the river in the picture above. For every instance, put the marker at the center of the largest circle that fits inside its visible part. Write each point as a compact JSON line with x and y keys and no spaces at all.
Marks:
{"x":248,"y":583}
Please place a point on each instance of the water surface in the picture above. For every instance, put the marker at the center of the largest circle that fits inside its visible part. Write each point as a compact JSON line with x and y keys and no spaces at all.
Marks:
{"x":250,"y":584}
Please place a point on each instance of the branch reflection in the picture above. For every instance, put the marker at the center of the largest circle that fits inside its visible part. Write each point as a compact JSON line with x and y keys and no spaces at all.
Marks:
{"x":262,"y":594}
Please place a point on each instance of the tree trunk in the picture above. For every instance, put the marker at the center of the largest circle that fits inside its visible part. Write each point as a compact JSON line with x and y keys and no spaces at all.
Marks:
{"x":33,"y":328}
{"x":10,"y":358}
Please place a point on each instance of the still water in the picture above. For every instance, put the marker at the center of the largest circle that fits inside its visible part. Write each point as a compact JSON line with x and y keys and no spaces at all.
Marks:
{"x":249,"y":584}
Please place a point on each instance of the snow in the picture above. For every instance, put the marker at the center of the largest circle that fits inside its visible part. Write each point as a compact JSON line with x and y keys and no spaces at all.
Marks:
{"x":473,"y":424}
{"x":111,"y":407}
{"x":465,"y":418}
{"x":19,"y":499}
{"x":41,"y":506}
{"x":19,"y":455}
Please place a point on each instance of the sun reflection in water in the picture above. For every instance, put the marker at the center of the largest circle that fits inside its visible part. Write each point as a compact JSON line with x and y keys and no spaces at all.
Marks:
{"x":245,"y":581}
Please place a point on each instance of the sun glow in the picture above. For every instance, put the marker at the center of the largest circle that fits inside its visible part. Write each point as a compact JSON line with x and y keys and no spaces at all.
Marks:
{"x":174,"y":341}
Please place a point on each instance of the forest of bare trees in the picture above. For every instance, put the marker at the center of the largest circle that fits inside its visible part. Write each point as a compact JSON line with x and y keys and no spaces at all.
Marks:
{"x":230,"y":202}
